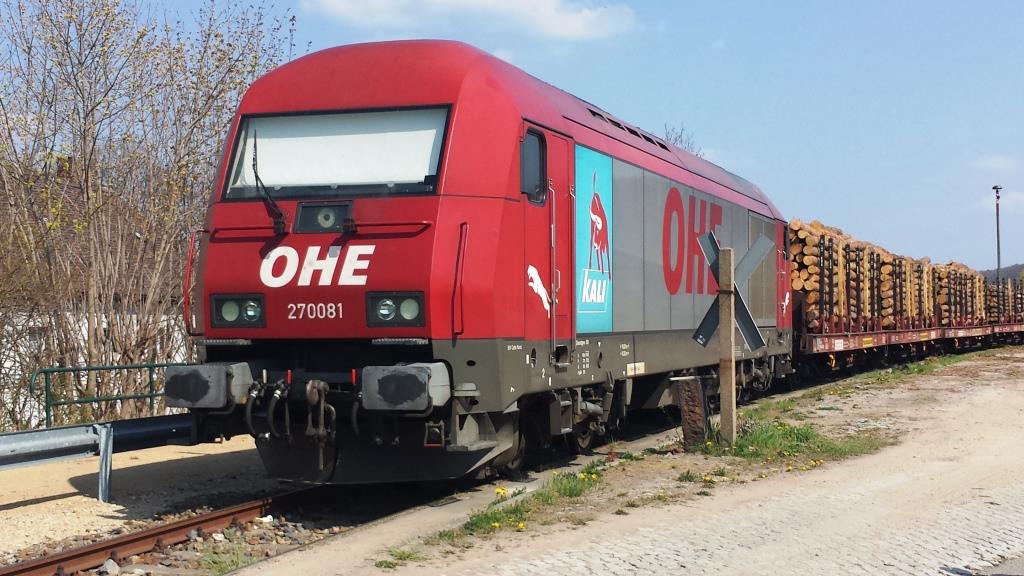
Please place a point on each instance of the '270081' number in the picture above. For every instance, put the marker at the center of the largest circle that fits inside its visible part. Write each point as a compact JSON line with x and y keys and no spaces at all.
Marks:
{"x":314,"y":310}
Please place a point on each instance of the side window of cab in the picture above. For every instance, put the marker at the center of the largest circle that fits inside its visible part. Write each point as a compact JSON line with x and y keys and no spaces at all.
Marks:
{"x":533,"y":168}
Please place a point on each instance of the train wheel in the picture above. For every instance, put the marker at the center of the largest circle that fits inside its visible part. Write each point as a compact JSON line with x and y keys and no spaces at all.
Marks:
{"x":581,"y":439}
{"x":513,"y":468}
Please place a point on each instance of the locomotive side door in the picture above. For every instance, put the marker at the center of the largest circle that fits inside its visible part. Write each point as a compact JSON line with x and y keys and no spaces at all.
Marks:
{"x":545,"y":181}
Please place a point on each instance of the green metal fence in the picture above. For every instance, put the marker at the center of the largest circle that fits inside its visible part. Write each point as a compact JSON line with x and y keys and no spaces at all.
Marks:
{"x":49,"y":403}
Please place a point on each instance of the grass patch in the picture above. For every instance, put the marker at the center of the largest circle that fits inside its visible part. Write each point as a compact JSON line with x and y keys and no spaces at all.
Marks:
{"x":688,"y":476}
{"x":493,"y":518}
{"x":398,"y":558}
{"x":452,"y":537}
{"x":226,"y":560}
{"x":400,"y":555}
{"x":574,"y":485}
{"x":779,"y":440}
{"x":500,"y":515}
{"x":769,"y":409}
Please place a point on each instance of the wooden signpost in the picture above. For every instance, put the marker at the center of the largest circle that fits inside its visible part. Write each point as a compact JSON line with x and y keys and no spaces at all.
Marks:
{"x":727,"y":346}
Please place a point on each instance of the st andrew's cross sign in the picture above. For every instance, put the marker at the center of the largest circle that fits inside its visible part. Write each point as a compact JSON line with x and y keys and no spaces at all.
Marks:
{"x":751,"y":260}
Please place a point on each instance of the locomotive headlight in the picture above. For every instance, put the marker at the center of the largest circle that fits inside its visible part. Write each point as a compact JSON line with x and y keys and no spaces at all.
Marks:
{"x":394,"y":309}
{"x":386,"y":309}
{"x":409,"y":309}
{"x":319,"y":218}
{"x":327,"y":217}
{"x":252,"y":311}
{"x":237,"y":311}
{"x":229,"y":311}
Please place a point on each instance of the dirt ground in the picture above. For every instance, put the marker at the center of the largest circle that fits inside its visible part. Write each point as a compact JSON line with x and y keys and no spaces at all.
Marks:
{"x":960,"y":447}
{"x":52,"y":502}
{"x":958,"y":439}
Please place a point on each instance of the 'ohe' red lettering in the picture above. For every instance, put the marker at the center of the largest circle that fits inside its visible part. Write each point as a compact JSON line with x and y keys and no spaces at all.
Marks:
{"x":716,"y":221}
{"x":691,"y":222}
{"x":673,"y":269}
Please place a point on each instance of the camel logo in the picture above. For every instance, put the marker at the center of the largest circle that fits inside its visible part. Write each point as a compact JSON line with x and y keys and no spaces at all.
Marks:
{"x":594,"y":236}
{"x":537,"y":285}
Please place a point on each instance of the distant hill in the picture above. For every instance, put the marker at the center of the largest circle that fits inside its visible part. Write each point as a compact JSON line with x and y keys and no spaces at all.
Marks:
{"x":1012,"y":271}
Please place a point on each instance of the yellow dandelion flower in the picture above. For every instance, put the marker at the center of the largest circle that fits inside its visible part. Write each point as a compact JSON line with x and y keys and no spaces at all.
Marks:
{"x":501,"y":491}
{"x":521,"y":526}
{"x":496,"y":525}
{"x":593,"y":476}
{"x":582,"y":475}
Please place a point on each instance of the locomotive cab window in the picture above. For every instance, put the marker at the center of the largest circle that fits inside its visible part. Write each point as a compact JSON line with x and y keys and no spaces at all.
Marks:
{"x":533,"y":168}
{"x":339,"y":154}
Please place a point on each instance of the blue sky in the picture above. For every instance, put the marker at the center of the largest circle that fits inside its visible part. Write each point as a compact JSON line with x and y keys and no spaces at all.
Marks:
{"x":891,"y":120}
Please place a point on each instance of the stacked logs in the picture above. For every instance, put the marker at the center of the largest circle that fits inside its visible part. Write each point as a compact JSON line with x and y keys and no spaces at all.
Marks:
{"x":886,"y":287}
{"x":959,"y":295}
{"x":922,"y":313}
{"x":995,"y":299}
{"x":1017,"y":288}
{"x":848,"y":285}
{"x":816,"y":252}
{"x":1018,"y":300}
{"x":1005,"y":300}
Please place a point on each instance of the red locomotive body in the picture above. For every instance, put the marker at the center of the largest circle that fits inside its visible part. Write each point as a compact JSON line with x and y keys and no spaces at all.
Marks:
{"x":419,"y":258}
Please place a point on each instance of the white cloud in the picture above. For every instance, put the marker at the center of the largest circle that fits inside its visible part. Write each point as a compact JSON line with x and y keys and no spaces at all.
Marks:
{"x":566,"y":19}
{"x":997,"y":164}
{"x":1009,"y":202}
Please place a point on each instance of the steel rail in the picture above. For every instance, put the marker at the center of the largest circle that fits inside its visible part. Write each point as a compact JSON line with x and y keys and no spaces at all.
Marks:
{"x":93,"y":555}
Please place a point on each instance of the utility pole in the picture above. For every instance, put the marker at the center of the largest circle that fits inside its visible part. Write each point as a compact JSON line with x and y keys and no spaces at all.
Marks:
{"x":999,"y":261}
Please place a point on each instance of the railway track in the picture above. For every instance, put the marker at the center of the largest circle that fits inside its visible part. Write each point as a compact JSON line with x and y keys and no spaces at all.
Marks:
{"x":346,"y":507}
{"x":93,"y":555}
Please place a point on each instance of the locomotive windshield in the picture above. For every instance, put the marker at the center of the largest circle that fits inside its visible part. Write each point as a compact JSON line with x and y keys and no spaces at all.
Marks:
{"x":354,"y":153}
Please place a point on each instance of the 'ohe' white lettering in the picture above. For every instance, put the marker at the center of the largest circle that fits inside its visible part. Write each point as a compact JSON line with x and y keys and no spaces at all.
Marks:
{"x":356,"y":260}
{"x":313,"y":263}
{"x":291,"y":264}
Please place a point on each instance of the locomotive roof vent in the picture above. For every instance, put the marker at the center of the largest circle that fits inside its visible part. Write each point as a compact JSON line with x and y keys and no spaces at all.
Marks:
{"x":635,"y":132}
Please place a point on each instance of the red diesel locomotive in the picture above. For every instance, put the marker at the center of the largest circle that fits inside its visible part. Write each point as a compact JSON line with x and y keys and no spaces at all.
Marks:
{"x":419,"y":258}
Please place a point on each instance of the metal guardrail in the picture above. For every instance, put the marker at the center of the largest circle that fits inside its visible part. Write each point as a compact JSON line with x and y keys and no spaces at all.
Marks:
{"x":103,"y":439}
{"x":49,"y":403}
